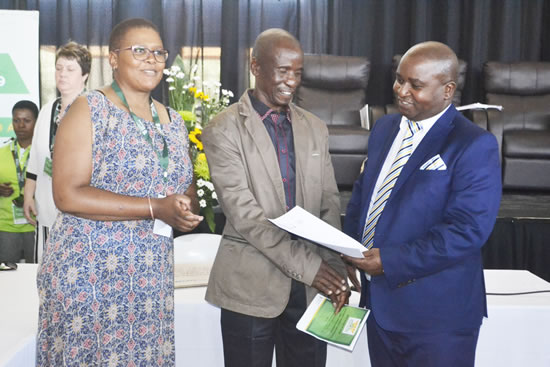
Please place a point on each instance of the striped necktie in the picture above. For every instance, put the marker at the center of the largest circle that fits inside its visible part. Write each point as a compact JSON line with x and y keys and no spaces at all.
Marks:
{"x":385,"y":190}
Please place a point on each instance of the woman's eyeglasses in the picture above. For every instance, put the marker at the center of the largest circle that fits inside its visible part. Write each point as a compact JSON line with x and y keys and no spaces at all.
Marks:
{"x":141,"y":53}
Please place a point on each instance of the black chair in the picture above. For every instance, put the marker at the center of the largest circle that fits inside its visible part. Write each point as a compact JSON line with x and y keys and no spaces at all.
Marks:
{"x":522,"y":128}
{"x":334,"y":89}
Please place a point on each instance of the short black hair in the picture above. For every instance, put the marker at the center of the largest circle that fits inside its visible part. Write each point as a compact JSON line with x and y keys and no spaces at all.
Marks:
{"x":26,"y":105}
{"x":120,"y":30}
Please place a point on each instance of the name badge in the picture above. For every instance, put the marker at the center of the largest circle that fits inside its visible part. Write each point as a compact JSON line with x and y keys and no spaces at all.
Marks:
{"x":18,"y":215}
{"x":48,"y":166}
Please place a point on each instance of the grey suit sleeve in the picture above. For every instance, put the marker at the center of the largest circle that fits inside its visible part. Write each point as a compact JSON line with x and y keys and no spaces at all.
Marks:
{"x":231,"y":177}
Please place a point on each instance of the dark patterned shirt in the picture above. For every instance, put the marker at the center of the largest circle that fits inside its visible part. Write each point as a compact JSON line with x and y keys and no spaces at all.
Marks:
{"x":279,"y":127}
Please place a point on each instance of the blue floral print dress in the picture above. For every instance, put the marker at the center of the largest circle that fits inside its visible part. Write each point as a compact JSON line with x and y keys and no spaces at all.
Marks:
{"x":106,"y":287}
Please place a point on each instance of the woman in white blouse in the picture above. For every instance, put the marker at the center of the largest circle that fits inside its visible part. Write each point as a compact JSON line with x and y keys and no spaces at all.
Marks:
{"x":72,"y":67}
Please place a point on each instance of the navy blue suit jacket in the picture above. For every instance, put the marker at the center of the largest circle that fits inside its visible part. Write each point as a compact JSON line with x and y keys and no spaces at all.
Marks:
{"x":432,"y":229}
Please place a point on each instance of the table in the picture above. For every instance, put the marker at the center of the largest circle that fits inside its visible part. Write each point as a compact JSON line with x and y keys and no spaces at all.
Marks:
{"x":515,"y":334}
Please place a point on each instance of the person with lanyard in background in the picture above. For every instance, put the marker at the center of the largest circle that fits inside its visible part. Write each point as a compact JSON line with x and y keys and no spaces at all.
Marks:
{"x":72,"y":67}
{"x":122,"y":178}
{"x":16,"y":234}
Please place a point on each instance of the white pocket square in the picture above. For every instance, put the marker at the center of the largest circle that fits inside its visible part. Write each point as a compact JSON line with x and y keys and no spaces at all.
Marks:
{"x":435,"y":163}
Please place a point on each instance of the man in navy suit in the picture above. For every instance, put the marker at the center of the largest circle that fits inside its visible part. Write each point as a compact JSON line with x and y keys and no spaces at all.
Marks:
{"x":424,"y":206}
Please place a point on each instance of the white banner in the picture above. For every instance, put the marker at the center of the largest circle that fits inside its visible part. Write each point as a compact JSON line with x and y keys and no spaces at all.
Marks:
{"x":19,"y":56}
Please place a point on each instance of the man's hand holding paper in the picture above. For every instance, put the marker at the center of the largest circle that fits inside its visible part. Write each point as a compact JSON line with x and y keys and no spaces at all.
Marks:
{"x":370,"y":264}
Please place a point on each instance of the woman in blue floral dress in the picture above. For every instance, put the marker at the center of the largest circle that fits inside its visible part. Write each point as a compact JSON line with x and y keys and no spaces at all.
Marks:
{"x":122,"y":177}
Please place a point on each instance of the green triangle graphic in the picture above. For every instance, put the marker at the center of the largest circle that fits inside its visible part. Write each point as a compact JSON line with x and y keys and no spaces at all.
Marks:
{"x":10,"y":80}
{"x":6,"y":128}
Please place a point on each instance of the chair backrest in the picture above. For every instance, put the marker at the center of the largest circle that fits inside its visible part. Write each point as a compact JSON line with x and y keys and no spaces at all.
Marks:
{"x":334,"y":88}
{"x":461,"y":78}
{"x":523,"y":89}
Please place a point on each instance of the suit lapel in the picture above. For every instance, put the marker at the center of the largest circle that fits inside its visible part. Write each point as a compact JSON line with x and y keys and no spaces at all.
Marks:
{"x":264,"y":145}
{"x":431,"y":144}
{"x":302,"y":150}
{"x":371,"y":175}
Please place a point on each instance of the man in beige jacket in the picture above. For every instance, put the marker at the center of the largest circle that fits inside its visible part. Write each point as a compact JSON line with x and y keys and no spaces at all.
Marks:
{"x":266,"y":156}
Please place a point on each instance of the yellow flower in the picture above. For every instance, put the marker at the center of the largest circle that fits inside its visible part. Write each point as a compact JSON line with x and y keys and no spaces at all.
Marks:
{"x":194,"y":137}
{"x":193,"y":90}
{"x":201,"y":167}
{"x":205,"y":97}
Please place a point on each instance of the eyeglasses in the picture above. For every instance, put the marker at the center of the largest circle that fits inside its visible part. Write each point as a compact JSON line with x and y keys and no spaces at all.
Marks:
{"x":141,"y":53}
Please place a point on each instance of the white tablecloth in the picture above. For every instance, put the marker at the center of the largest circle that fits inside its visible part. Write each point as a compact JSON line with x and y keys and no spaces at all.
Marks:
{"x":517,"y":332}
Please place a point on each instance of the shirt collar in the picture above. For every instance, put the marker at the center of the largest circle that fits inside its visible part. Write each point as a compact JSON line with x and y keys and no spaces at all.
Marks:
{"x":425,"y":124}
{"x":263,"y":110}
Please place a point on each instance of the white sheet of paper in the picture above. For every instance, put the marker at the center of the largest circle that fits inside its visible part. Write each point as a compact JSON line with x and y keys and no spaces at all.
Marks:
{"x":304,"y":224}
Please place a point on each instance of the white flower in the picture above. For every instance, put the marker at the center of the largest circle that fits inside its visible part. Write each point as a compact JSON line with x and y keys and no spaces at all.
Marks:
{"x":200,"y":192}
{"x":209,"y":185}
{"x":180,"y":75}
{"x":166,"y":72}
{"x":200,"y":182}
{"x":202,"y":203}
{"x":175,"y":68}
{"x":217,"y":84}
{"x":195,"y":77}
{"x":171,"y":88}
{"x":169,"y":79}
{"x":194,"y":68}
{"x":214,"y":196}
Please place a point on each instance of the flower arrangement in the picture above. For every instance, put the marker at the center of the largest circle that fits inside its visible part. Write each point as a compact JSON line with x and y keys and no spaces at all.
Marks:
{"x":197,"y":102}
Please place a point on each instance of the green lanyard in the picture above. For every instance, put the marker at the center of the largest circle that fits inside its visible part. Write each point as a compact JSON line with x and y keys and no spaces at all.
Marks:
{"x":20,"y":172}
{"x":163,"y":158}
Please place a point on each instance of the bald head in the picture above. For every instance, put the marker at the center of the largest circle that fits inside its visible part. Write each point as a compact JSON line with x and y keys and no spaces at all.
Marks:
{"x":441,"y":56}
{"x":425,"y":80}
{"x":269,"y":40}
{"x":277,"y":64}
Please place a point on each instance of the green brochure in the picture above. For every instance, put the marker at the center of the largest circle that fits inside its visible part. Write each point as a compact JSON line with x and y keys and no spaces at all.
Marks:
{"x":341,"y":330}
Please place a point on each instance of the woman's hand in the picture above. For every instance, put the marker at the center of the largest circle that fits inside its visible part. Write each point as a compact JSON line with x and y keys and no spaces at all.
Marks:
{"x":176,"y":210}
{"x":29,"y":205}
{"x":29,"y":209}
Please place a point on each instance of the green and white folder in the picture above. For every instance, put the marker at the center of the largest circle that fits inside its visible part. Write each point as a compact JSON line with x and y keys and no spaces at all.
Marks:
{"x":341,"y":330}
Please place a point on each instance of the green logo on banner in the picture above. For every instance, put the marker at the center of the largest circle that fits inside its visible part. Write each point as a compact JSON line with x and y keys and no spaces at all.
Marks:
{"x":6,"y":128}
{"x":10,"y":80}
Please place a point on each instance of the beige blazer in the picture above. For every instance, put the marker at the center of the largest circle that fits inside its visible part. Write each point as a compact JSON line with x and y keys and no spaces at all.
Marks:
{"x":256,"y":260}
